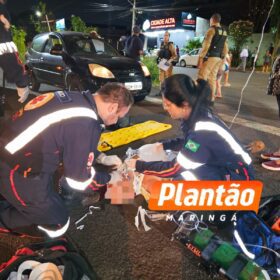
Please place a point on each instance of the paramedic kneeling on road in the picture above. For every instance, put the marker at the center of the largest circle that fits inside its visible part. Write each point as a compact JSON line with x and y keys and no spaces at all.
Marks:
{"x":52,"y":128}
{"x":208,"y":150}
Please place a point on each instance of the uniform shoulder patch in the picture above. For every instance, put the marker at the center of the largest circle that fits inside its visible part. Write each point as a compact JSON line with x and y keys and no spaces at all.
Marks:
{"x":39,"y":101}
{"x":63,"y":96}
{"x":192,"y":146}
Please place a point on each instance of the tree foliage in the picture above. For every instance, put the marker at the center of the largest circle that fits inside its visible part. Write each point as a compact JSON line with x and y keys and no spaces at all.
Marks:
{"x":240,"y":31}
{"x":39,"y":22}
{"x":79,"y":25}
{"x":19,"y":36}
{"x":193,"y":44}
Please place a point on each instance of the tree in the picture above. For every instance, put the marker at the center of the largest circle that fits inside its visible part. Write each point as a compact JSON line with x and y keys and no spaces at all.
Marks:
{"x":79,"y":25}
{"x":19,"y":39}
{"x":239,"y":32}
{"x":41,"y":17}
{"x":193,"y":44}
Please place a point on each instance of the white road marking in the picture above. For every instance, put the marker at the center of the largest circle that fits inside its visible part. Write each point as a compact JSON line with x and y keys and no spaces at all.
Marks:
{"x":251,"y":124}
{"x":239,"y":121}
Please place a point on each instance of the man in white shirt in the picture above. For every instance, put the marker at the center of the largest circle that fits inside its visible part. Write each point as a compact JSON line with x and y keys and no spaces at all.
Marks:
{"x":244,"y":56}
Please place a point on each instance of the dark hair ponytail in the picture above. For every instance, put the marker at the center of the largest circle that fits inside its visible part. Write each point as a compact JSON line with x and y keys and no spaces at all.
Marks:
{"x":180,"y":88}
{"x":203,"y":101}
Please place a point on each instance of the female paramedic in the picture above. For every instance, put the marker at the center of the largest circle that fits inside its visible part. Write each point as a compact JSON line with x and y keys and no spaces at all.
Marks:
{"x":207,"y":150}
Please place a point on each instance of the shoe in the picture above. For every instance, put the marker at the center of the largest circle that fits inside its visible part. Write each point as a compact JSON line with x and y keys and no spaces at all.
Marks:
{"x":23,"y":94}
{"x":218,"y":96}
{"x":227,"y":85}
{"x":271,"y":156}
{"x":273,"y":165}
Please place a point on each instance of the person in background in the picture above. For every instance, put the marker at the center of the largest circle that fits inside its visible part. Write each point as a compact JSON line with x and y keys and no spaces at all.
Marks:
{"x":274,"y":81}
{"x":227,"y":64}
{"x":271,"y":49}
{"x":244,"y":56}
{"x":208,"y":150}
{"x":9,"y":57}
{"x":220,"y":74}
{"x":167,"y":51}
{"x":273,"y":162}
{"x":214,"y":50}
{"x":134,"y":44}
{"x":254,"y":57}
{"x":266,"y":61}
{"x":177,"y":51}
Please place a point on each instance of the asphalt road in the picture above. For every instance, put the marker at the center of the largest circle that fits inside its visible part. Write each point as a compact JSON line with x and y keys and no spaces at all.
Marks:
{"x":110,"y":240}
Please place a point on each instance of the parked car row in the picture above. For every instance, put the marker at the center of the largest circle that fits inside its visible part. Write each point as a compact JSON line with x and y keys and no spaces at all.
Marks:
{"x":75,"y":61}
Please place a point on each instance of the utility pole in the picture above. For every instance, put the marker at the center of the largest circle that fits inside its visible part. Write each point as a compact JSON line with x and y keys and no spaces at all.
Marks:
{"x":48,"y":22}
{"x":133,"y":14}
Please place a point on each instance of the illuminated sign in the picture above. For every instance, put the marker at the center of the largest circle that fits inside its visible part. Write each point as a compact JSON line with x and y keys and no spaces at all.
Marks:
{"x":146,"y":25}
{"x":60,"y":24}
{"x":188,"y":20}
{"x":163,"y":23}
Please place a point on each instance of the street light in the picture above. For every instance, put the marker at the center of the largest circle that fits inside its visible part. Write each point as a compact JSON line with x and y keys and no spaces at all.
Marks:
{"x":39,"y":14}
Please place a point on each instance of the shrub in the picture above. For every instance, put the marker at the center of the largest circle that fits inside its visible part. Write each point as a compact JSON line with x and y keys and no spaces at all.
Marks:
{"x":151,"y":63}
{"x":19,"y":39}
{"x":192,"y":45}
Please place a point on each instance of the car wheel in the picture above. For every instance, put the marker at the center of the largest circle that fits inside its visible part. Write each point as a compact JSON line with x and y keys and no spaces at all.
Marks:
{"x":139,"y":98}
{"x":34,"y":84}
{"x":183,"y":63}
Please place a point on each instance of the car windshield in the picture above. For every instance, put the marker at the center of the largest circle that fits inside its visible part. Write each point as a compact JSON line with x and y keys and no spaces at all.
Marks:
{"x":84,"y":45}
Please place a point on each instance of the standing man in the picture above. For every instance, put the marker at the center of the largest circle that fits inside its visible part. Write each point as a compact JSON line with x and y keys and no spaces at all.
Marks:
{"x":9,"y":58}
{"x":244,"y":56}
{"x":214,"y":50}
{"x":168,"y":52}
{"x":134,"y":44}
{"x":53,"y":128}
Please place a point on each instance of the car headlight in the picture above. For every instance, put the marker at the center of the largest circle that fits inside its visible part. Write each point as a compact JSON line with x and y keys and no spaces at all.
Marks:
{"x":145,"y":69}
{"x":100,"y":71}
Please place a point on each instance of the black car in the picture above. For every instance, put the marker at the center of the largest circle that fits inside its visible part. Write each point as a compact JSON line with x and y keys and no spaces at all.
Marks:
{"x":75,"y":61}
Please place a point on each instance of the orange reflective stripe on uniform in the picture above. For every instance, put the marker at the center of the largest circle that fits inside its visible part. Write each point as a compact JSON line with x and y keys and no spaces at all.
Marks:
{"x":164,"y":173}
{"x":44,"y":122}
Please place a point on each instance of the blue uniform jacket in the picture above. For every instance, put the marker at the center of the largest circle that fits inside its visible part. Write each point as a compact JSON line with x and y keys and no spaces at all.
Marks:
{"x":208,"y":151}
{"x":54,"y":128}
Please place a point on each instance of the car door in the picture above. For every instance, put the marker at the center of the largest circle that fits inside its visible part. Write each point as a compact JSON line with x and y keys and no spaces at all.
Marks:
{"x":193,"y":58}
{"x":34,"y":57}
{"x":53,"y":66}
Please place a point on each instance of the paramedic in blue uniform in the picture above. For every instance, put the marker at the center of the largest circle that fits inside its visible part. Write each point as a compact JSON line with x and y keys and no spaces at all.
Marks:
{"x":208,"y":150}
{"x":54,"y":128}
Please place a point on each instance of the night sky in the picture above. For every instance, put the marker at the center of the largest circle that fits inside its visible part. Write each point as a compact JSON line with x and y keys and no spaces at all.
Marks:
{"x":106,"y":11}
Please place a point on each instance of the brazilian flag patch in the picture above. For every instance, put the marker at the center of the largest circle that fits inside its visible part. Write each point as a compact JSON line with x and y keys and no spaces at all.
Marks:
{"x":192,"y":146}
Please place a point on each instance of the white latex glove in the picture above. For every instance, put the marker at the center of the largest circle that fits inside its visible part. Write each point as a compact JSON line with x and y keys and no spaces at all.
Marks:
{"x":152,"y":152}
{"x":109,"y":160}
{"x":115,"y":177}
